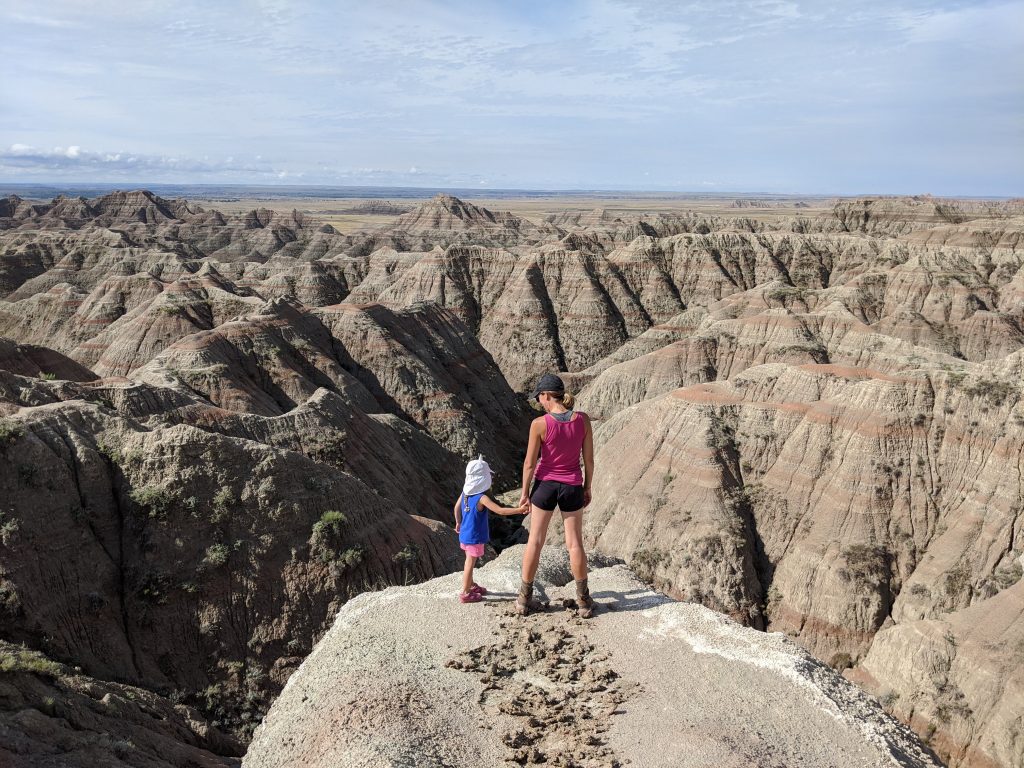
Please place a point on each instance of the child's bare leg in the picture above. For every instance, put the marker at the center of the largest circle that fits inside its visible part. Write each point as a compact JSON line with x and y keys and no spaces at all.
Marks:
{"x":467,"y":573}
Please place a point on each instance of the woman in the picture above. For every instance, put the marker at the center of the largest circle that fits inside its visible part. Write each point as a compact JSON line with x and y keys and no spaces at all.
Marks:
{"x":558,"y":439}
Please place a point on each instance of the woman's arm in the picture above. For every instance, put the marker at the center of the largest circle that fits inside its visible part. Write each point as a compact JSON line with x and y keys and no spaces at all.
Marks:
{"x":497,"y":509}
{"x":588,"y":462}
{"x":530,"y":462}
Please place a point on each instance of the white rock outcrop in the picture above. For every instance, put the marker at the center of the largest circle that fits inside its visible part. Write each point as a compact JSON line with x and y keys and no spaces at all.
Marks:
{"x":409,"y":676}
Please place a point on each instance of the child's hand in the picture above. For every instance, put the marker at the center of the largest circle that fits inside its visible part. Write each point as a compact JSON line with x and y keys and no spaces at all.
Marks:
{"x":524,"y":509}
{"x":457,"y":527}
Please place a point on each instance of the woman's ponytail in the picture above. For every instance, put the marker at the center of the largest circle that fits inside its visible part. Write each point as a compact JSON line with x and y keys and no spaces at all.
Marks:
{"x":568,"y":400}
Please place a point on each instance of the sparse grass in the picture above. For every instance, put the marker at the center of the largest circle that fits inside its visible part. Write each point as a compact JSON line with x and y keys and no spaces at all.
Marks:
{"x":47,"y":376}
{"x":24,"y":660}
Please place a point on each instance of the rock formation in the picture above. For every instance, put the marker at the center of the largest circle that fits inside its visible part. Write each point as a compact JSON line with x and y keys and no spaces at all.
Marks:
{"x":808,"y":419}
{"x":410,"y":676}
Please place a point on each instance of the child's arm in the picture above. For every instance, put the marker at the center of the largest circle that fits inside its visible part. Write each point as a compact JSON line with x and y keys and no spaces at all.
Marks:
{"x":497,"y":509}
{"x":458,"y":513}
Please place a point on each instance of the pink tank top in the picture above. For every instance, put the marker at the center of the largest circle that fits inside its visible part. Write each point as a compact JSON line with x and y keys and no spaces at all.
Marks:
{"x":562,"y":449}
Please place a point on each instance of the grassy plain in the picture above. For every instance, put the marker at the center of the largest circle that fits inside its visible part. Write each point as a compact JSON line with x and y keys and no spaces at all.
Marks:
{"x":534,"y":208}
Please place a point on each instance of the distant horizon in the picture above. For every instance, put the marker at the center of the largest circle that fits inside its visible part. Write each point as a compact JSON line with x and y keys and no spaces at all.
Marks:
{"x":887,"y":97}
{"x":43,"y":190}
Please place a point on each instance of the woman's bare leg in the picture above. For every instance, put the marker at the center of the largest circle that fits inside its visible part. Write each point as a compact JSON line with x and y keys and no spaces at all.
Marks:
{"x":539,"y":520}
{"x":574,"y":543}
{"x":578,"y":561}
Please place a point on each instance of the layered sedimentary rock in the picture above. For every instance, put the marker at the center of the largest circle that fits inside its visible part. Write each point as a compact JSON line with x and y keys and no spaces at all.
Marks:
{"x":51,"y":714}
{"x":808,"y":419}
{"x":182,"y":560}
{"x":830,"y":503}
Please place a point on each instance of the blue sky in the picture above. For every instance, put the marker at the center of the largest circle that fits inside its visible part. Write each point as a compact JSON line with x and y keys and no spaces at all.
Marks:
{"x":877,"y":96}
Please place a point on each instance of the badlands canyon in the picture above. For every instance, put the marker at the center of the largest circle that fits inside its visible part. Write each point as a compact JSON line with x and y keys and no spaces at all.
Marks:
{"x":219,"y":429}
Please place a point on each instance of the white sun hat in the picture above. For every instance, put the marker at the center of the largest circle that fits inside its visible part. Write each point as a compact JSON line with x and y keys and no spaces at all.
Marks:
{"x":478,"y":477}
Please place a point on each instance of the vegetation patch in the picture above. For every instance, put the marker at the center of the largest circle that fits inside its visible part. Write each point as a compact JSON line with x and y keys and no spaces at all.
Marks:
{"x":326,"y":540}
{"x":156,"y":501}
{"x":957,"y":580}
{"x":23,"y":660}
{"x":864,"y":564}
{"x":10,"y":433}
{"x":996,"y":392}
{"x":840,"y":661}
{"x":216,"y":555}
{"x":646,"y":562}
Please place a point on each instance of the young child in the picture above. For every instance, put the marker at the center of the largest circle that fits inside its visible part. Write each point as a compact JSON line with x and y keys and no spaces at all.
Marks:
{"x":471,"y":523}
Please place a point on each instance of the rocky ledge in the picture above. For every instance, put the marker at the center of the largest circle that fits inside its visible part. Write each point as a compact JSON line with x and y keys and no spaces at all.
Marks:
{"x":408,"y":676}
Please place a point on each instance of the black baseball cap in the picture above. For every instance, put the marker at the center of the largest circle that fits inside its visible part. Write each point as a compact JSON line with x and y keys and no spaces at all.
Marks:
{"x":548,"y":383}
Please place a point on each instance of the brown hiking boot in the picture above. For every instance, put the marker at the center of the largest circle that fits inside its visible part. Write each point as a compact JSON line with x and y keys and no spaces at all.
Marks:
{"x":584,"y":600}
{"x":524,"y":598}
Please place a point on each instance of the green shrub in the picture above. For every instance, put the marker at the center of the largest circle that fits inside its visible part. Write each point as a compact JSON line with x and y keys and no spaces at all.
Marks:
{"x":352,"y":556}
{"x":332,"y":521}
{"x":47,"y":376}
{"x":216,"y":555}
{"x":222,"y":501}
{"x":7,"y":529}
{"x":407,"y":554}
{"x":158,"y":502}
{"x":10,"y":432}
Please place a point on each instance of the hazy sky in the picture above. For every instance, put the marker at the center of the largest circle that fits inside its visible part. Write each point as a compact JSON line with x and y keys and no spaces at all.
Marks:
{"x":832,"y":97}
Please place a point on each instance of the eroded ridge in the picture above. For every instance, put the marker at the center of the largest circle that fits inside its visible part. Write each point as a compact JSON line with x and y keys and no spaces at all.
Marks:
{"x":560,"y":688}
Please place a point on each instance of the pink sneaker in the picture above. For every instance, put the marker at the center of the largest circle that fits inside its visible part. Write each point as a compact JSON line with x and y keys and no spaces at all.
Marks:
{"x":478,"y":589}
{"x":470,"y":597}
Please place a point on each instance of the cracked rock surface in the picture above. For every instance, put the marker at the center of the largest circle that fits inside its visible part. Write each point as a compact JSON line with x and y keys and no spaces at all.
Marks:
{"x":409,"y":676}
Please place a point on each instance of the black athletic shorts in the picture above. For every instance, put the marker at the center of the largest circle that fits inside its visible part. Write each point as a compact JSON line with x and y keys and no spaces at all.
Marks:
{"x":547,"y":494}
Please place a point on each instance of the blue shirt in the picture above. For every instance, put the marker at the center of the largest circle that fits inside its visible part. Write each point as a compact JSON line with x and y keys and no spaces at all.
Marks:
{"x":474,"y":528}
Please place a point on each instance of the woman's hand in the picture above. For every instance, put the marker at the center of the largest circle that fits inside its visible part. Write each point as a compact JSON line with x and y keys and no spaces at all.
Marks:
{"x":586,"y":497}
{"x":524,"y":508}
{"x":524,"y":499}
